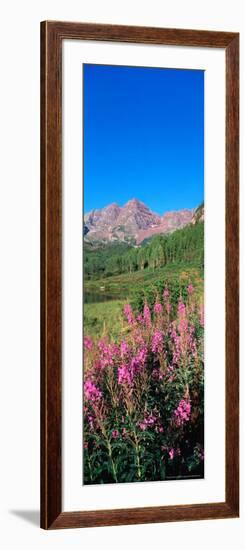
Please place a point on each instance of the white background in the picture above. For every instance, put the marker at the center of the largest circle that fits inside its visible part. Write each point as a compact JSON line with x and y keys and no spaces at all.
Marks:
{"x":19,"y":289}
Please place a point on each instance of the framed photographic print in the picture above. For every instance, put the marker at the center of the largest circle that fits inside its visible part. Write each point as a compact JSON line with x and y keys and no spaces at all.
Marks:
{"x":139,"y":275}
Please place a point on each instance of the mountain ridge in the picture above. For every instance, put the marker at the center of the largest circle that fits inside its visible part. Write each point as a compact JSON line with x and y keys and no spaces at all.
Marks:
{"x":134,"y":221}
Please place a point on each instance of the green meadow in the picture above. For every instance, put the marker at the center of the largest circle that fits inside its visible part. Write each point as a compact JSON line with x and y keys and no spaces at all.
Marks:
{"x":106,"y":293}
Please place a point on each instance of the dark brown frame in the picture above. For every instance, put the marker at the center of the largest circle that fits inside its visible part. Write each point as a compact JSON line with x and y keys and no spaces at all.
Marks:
{"x":52,"y":34}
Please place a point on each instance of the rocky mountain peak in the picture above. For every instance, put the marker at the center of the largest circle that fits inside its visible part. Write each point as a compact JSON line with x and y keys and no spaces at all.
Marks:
{"x":132,"y":222}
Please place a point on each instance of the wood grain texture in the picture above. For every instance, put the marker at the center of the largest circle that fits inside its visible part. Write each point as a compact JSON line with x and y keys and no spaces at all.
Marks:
{"x":51,"y":195}
{"x":232,"y":274}
{"x":143,"y":35}
{"x":52,"y":35}
{"x":132,"y":516}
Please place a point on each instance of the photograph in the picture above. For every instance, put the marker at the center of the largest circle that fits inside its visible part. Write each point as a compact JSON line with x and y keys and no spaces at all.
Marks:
{"x":143,"y":270}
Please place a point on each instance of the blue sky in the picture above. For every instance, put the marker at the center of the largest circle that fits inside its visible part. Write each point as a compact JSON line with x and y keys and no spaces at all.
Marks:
{"x":143,"y":137}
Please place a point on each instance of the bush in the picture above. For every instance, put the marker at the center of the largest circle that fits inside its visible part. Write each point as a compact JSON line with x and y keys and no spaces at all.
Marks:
{"x":177,"y":289}
{"x":143,"y":395}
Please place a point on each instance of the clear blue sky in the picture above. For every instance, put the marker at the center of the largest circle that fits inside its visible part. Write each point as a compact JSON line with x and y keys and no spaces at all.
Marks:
{"x":143,"y":137}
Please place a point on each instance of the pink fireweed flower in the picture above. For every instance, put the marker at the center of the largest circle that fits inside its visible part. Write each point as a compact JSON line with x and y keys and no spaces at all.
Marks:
{"x":181,"y":308}
{"x":115,"y":434}
{"x":190,"y":289}
{"x":114,"y":350}
{"x":138,"y":361}
{"x":183,"y":325}
{"x":91,"y":421}
{"x":166,"y":293}
{"x":143,"y":426}
{"x":176,"y":340}
{"x":170,"y":372}
{"x":141,"y":355}
{"x":157,"y":341}
{"x":192,"y":307}
{"x":199,"y":452}
{"x":139,"y":318}
{"x":149,"y":420}
{"x":147,"y":315}
{"x":124,"y":375}
{"x":124,"y":432}
{"x":124,"y":348}
{"x":192,"y":345}
{"x":183,"y":412}
{"x":108,"y":352}
{"x":88,"y":343}
{"x":168,"y":307}
{"x":127,"y":310}
{"x":159,"y":429}
{"x":171,"y":454}
{"x":92,"y":393}
{"x":201,"y":317}
{"x":158,"y":308}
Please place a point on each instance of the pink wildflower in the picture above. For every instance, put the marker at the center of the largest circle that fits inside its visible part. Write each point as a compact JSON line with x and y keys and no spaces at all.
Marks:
{"x":202,"y":315}
{"x":91,"y":421}
{"x":182,"y":413}
{"x":183,"y":325}
{"x":124,"y":348}
{"x":88,"y":343}
{"x":127,"y":310}
{"x":181,"y":308}
{"x":158,"y":308}
{"x":201,"y":454}
{"x":92,"y":393}
{"x":176,"y":345}
{"x":115,"y":434}
{"x":141,"y":356}
{"x":157,"y":341}
{"x":147,"y":315}
{"x":108,"y":352}
{"x":166,"y":293}
{"x":139,"y":318}
{"x":171,"y":454}
{"x":149,"y":420}
{"x":124,"y":375}
{"x":190,"y":289}
{"x":143,"y":426}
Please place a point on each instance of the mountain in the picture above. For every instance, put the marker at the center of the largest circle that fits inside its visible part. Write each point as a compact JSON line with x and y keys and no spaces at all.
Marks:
{"x":132,"y":222}
{"x":169,"y":222}
{"x":198,"y":215}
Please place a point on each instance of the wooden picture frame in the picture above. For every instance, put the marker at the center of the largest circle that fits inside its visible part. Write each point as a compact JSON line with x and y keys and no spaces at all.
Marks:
{"x":52,"y":35}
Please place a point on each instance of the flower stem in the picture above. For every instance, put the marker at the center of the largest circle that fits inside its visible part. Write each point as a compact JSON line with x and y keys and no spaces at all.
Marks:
{"x":137,"y":455}
{"x":112,"y":461}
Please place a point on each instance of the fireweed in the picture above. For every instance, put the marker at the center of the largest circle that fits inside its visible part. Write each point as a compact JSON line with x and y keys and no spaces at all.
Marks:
{"x":143,"y":396}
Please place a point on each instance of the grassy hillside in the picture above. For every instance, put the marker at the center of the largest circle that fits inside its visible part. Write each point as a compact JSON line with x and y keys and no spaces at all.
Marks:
{"x":127,"y":283}
{"x":116,"y":273}
{"x":180,"y":247}
{"x":101,"y":318}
